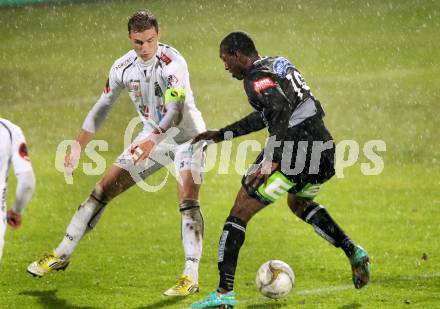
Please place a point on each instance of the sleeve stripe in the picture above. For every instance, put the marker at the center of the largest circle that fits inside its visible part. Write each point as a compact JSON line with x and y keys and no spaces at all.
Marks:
{"x":122,"y":78}
{"x":9,"y":131}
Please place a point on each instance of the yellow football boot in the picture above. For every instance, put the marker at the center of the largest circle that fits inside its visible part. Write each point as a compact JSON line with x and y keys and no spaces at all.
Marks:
{"x":47,"y":263}
{"x":183,"y":287}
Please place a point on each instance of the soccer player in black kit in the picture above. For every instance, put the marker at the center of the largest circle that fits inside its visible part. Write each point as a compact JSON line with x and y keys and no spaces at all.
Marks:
{"x":298,"y":158}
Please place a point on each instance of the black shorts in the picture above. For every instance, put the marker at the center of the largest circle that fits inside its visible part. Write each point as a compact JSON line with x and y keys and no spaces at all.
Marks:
{"x":308,"y":162}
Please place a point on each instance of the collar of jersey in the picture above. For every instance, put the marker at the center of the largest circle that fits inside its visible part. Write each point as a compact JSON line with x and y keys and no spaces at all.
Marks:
{"x":148,"y":62}
{"x":258,"y":60}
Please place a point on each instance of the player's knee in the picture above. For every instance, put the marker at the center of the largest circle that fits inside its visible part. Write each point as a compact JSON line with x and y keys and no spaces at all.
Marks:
{"x":188,"y":195}
{"x":267,"y":193}
{"x":246,"y":205}
{"x":298,"y":205}
{"x":189,"y":204}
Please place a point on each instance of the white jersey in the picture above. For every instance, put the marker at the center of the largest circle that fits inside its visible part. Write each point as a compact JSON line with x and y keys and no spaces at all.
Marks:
{"x":12,"y":151}
{"x":147,"y":83}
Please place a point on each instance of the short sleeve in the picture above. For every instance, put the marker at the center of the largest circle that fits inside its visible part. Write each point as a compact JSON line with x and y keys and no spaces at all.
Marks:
{"x":176,"y":77}
{"x":21,"y":161}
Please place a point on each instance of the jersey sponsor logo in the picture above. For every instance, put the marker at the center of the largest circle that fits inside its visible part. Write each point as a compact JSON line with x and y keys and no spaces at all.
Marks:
{"x":124,"y":63}
{"x":281,"y":65}
{"x":107,"y":86}
{"x":165,"y":59}
{"x":23,"y":152}
{"x":263,"y":83}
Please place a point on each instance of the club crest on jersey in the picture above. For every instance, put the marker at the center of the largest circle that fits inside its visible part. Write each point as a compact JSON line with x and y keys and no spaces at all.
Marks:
{"x":281,"y":65}
{"x":172,"y":81}
{"x":165,"y":59}
{"x":263,"y":83}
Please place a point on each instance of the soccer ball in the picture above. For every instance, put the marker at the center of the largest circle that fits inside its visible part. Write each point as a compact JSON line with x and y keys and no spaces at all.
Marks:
{"x":275,"y":279}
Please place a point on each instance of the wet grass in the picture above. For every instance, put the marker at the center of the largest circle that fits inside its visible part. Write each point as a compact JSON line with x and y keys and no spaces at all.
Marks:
{"x":374,"y":66}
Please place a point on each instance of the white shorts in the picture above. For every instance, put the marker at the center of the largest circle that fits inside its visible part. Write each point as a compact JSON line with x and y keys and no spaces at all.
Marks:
{"x":184,"y":156}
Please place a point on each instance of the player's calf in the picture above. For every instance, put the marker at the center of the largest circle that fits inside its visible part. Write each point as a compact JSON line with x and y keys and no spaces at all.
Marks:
{"x":192,"y":239}
{"x":321,"y":221}
{"x":84,"y":220}
{"x":324,"y":225}
{"x":231,"y":240}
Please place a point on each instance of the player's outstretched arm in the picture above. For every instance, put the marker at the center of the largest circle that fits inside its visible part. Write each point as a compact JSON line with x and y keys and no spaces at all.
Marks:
{"x":23,"y":194}
{"x":22,"y":166}
{"x":72,"y":156}
{"x":210,"y":135}
{"x":251,"y":123}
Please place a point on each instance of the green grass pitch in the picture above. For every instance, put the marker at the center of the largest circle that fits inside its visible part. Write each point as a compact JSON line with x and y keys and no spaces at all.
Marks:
{"x":374,"y":66}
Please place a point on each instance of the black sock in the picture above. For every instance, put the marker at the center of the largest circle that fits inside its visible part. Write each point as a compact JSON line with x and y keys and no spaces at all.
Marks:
{"x":229,"y":246}
{"x":327,"y":228}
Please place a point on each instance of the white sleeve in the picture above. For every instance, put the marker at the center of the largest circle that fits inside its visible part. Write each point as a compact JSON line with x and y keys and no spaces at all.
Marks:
{"x":176,"y":75}
{"x":172,"y":115}
{"x":23,"y":171}
{"x":24,"y":191}
{"x":103,"y":106}
{"x":20,"y":157}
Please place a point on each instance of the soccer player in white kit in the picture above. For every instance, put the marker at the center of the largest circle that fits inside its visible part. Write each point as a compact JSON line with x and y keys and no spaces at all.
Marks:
{"x":157,"y":79}
{"x":13,"y":152}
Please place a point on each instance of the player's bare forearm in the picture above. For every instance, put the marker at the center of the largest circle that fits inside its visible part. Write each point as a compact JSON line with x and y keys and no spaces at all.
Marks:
{"x":210,"y":135}
{"x":84,"y":137}
{"x":251,"y":123}
{"x":143,"y":150}
{"x":72,"y":157}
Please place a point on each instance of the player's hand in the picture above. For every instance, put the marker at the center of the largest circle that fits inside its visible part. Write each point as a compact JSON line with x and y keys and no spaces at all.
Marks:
{"x":144,"y":149}
{"x":213,"y":135}
{"x":13,"y":219}
{"x":72,"y":158}
{"x":262,"y":174}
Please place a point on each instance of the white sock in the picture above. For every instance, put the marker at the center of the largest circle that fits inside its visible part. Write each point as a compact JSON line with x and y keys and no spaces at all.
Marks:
{"x":192,"y":237}
{"x":84,"y":219}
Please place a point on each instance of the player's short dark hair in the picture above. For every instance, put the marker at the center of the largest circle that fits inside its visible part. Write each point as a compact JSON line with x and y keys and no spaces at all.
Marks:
{"x":141,"y":21}
{"x":239,"y":41}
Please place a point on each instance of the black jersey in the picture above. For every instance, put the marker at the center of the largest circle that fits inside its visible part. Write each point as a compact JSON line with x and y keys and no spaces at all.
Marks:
{"x":281,"y":100}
